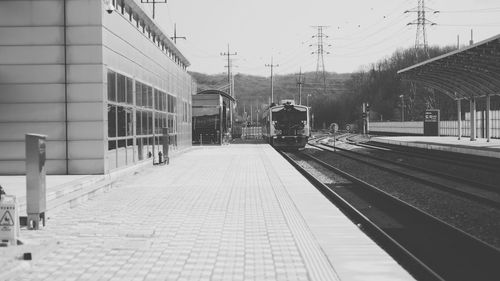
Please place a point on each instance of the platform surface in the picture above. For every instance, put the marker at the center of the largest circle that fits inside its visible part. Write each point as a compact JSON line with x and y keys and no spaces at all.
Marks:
{"x":479,"y":147}
{"x":234,"y":212}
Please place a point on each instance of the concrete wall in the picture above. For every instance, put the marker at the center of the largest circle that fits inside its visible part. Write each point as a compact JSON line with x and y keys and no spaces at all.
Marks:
{"x":32,"y":82}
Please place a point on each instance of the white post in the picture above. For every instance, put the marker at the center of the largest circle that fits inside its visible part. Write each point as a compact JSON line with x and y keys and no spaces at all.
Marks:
{"x":459,"y":118}
{"x":473,"y":119}
{"x":488,"y":121}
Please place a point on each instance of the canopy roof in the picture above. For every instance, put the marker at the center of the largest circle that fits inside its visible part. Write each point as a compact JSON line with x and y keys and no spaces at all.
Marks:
{"x":473,"y":71}
{"x":216,"y":92}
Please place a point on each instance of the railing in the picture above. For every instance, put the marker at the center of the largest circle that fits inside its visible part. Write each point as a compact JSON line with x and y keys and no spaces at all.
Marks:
{"x":251,"y":133}
{"x":447,"y":128}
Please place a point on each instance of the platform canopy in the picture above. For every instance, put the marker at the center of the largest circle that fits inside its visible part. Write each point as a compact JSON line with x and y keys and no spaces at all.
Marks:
{"x":216,"y":92}
{"x":470,"y":72}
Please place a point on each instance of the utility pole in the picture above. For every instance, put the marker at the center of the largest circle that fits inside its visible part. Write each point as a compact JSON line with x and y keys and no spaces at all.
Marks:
{"x":154,"y":4}
{"x":229,"y":80}
{"x":421,"y":22}
{"x":300,"y":80}
{"x":175,"y":37}
{"x":320,"y":62}
{"x":272,"y":83}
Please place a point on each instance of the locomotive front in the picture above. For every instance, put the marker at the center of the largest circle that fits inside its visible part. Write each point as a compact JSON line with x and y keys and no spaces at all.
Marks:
{"x":291,"y":126}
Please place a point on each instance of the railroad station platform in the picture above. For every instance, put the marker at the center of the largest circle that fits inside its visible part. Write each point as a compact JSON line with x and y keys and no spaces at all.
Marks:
{"x":233,"y":212}
{"x":479,"y":147}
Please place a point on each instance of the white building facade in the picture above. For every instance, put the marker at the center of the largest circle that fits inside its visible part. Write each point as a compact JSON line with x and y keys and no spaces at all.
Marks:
{"x":100,"y":86}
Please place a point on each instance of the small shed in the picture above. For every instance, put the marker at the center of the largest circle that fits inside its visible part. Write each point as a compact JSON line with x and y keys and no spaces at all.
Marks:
{"x":212,"y":116}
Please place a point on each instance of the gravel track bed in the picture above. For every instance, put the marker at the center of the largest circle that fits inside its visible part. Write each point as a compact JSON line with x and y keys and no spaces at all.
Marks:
{"x":470,"y":173}
{"x":480,"y":221}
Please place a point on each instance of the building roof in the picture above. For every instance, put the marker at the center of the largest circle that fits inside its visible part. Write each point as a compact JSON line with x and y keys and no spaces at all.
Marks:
{"x":216,"y":92}
{"x":158,"y":31}
{"x":472,"y":71}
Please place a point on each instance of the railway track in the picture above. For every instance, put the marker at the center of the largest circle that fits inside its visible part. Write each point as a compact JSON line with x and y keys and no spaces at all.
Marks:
{"x":464,"y":187}
{"x":469,"y":161}
{"x":426,"y":246}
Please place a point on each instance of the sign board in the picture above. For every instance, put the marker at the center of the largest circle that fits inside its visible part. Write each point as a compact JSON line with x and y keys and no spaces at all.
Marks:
{"x":9,"y":219}
{"x":334,"y":127}
{"x":431,"y":122}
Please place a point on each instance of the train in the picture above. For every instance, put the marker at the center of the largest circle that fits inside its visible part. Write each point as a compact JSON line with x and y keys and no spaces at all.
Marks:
{"x":287,"y":126}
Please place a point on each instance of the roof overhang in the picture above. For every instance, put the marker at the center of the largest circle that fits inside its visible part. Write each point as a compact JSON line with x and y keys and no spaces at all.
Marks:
{"x":216,"y":92}
{"x":470,"y":72}
{"x":157,"y":30}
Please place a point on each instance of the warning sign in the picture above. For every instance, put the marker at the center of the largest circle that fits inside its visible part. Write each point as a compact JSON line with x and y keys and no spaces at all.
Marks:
{"x":9,"y":219}
{"x":6,"y":219}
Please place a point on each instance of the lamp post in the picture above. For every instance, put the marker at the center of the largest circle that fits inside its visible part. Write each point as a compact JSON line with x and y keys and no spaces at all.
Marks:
{"x":402,"y":108}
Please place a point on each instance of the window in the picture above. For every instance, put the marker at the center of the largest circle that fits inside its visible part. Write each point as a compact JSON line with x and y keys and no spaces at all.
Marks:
{"x":120,"y":82}
{"x":130,"y":91}
{"x":111,"y":86}
{"x":150,"y":97}
{"x":122,"y":121}
{"x":144,"y":130}
{"x":138,"y":123}
{"x":130,"y":121}
{"x":144,"y":95}
{"x":157,"y":99}
{"x":138,"y":93}
{"x":111,"y":121}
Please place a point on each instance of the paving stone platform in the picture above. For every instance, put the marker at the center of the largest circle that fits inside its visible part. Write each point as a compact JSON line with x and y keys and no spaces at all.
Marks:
{"x":234,"y":212}
{"x":479,"y":147}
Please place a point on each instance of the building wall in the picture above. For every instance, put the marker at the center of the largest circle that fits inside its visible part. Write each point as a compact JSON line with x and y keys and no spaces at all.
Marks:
{"x":149,"y":62}
{"x":34,"y":85}
{"x":54,"y":59}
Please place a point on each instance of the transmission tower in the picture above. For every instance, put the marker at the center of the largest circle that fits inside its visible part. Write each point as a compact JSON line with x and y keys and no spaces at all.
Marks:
{"x":320,"y":63}
{"x":421,"y":22}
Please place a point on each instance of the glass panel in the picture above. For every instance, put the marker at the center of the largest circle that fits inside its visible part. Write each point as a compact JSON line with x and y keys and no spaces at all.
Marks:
{"x":111,"y":145}
{"x":144,"y":123}
{"x":121,"y":143}
{"x":157,"y":99}
{"x":150,"y":123}
{"x":122,"y":119}
{"x":138,"y":123}
{"x":144,"y":95}
{"x":174,"y":104}
{"x":120,"y":82}
{"x":130,"y":122}
{"x":130,"y":142}
{"x":140,"y":149}
{"x":164,"y":101}
{"x":150,"y":97}
{"x":138,"y":94}
{"x":111,"y":86}
{"x":111,"y":121}
{"x":130,"y":91}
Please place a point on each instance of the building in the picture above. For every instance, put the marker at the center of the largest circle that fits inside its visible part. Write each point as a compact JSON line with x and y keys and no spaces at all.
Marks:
{"x":101,"y":86}
{"x":211,"y":116}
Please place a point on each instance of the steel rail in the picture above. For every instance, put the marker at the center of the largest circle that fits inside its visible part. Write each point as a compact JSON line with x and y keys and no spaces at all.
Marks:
{"x":452,"y":238}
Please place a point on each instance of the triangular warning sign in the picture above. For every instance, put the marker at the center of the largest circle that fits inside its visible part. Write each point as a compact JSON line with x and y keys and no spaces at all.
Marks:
{"x":6,"y":219}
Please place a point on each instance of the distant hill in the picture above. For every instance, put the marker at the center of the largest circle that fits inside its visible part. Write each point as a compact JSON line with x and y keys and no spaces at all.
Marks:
{"x":254,"y":92}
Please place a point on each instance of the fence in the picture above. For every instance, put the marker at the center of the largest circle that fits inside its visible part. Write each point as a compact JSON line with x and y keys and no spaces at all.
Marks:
{"x":447,"y":128}
{"x":251,"y":133}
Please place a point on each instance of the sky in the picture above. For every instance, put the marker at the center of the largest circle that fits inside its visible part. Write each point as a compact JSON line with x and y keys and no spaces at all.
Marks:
{"x":360,"y":32}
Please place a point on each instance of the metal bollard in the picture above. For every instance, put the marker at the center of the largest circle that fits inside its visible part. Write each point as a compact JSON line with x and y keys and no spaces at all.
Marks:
{"x":36,"y":199}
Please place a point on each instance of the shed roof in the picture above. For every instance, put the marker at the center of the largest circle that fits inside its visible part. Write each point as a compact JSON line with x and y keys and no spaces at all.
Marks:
{"x":216,"y":92}
{"x":473,"y":71}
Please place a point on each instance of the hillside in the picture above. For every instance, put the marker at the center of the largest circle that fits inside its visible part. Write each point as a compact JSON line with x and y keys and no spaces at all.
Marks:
{"x":254,"y":92}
